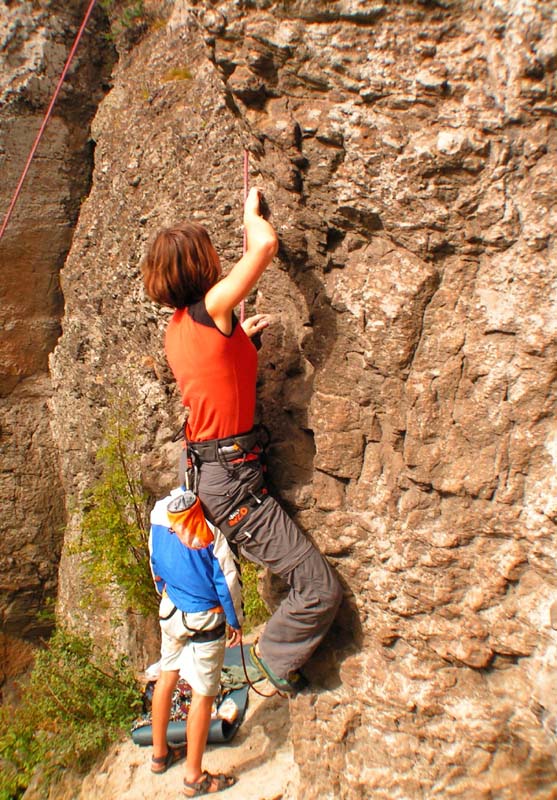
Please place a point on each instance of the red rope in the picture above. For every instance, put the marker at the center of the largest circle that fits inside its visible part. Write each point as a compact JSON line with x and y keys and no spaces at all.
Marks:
{"x":246,"y":191}
{"x":249,"y":682}
{"x":46,"y":118}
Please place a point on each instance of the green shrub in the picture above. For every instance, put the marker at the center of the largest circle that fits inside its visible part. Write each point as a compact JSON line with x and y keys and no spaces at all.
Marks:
{"x":129,"y":21}
{"x":255,"y":610}
{"x":124,"y":13}
{"x":115,"y":530}
{"x":76,"y":702}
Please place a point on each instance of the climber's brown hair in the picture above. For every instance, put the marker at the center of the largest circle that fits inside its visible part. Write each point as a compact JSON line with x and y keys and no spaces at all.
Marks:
{"x":181,"y":265}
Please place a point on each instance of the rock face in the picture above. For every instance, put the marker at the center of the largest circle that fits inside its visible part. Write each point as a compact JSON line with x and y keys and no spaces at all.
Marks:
{"x":408,"y":153}
{"x":34,"y":42}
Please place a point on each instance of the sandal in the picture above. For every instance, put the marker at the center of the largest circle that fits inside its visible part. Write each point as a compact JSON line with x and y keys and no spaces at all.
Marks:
{"x":161,"y":763}
{"x":203,"y":786}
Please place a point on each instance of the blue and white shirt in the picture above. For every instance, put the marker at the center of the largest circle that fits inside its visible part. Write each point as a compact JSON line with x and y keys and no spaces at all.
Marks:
{"x":195,"y":580}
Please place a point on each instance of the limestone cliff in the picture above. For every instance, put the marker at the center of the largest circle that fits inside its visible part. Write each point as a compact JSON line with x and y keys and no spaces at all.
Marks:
{"x":408,"y":153}
{"x":34,"y":42}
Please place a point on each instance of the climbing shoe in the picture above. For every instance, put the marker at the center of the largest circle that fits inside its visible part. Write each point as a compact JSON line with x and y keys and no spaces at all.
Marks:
{"x":291,"y":685}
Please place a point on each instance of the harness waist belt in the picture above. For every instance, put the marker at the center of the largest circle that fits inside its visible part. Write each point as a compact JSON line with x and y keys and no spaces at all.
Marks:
{"x":206,"y":636}
{"x":228,"y":448}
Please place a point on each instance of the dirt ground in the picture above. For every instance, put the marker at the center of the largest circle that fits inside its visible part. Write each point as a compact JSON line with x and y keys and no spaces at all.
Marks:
{"x":260,"y":755}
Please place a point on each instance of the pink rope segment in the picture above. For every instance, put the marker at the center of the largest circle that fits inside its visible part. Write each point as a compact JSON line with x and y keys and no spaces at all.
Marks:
{"x":246,"y":191}
{"x":46,"y":118}
{"x":246,"y":175}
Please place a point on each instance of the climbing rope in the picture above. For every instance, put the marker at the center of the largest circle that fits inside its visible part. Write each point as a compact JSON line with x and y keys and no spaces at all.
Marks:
{"x":242,"y":317}
{"x":46,"y":117}
{"x":246,"y":191}
{"x":250,"y":684}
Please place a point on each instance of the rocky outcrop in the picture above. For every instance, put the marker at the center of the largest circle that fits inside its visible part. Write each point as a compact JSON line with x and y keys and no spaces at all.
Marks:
{"x":407,"y":151}
{"x":34,"y":43}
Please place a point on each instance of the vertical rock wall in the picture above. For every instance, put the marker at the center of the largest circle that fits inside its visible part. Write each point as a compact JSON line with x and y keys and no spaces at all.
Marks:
{"x":35,"y":39}
{"x":408,"y":152}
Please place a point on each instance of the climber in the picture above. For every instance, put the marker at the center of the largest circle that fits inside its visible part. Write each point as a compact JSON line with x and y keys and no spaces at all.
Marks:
{"x":200,"y":589}
{"x":215,"y":365}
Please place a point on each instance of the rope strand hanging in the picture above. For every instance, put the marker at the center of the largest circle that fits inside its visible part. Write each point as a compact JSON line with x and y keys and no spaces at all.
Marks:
{"x":246,"y":191}
{"x":46,"y":117}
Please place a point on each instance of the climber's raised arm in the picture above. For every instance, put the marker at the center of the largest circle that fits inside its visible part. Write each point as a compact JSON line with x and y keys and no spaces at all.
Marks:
{"x":262,"y":246}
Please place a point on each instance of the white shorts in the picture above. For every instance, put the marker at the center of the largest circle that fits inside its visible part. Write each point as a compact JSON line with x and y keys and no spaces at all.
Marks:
{"x":200,"y":663}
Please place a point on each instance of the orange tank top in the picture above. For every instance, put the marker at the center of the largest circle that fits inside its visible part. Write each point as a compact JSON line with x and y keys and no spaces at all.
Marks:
{"x":216,"y":373}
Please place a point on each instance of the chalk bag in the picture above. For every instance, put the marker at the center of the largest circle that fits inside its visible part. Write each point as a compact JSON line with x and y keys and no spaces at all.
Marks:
{"x":188,"y":522}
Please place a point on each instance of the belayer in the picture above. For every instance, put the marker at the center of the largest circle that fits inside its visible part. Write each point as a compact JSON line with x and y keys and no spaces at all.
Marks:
{"x":214,"y":362}
{"x":200,"y":592}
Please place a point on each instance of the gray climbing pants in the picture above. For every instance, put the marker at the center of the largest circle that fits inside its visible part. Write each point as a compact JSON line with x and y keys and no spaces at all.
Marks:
{"x":232,"y":498}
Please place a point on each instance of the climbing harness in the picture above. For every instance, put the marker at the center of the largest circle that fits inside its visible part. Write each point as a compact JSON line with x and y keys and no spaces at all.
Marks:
{"x":198,"y":635}
{"x":232,"y":449}
{"x":232,"y":453}
{"x":205,"y":636}
{"x":46,"y":117}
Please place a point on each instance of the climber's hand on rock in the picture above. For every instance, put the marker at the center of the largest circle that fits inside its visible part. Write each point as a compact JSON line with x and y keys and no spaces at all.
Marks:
{"x":253,"y":325}
{"x":252,"y":204}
